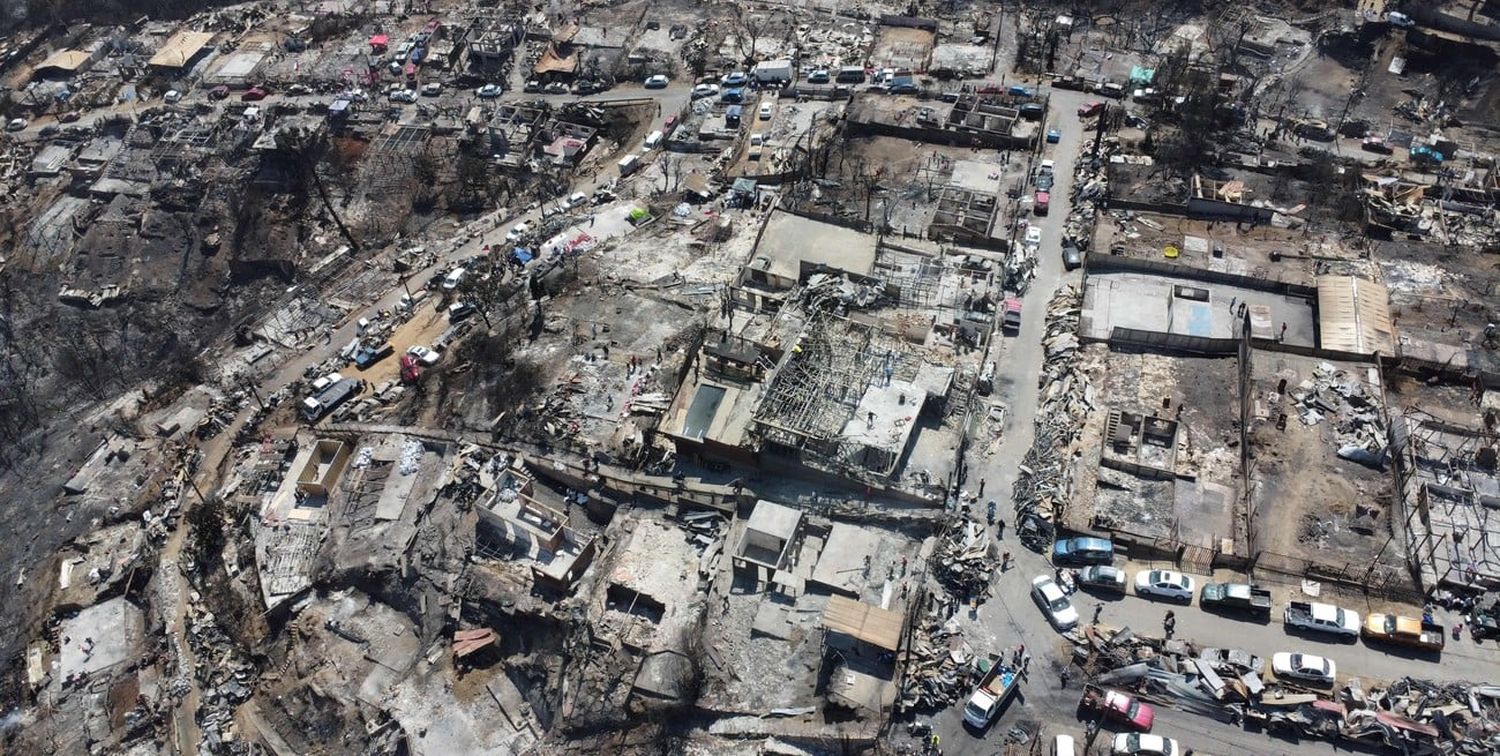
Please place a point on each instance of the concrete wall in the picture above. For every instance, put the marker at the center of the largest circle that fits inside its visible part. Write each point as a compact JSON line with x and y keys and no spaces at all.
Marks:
{"x":941,"y":136}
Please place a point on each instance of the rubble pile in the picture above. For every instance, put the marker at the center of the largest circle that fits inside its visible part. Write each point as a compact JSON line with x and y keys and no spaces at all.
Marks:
{"x":226,"y":678}
{"x":1091,"y":179}
{"x":939,"y":672}
{"x":963,"y":563}
{"x":1352,"y":409}
{"x":1066,"y":398}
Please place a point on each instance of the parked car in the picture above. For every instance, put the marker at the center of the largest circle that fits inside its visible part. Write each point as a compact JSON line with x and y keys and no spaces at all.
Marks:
{"x":1233,"y":659}
{"x":532,"y":86}
{"x":432,"y":89}
{"x":1166,"y":584}
{"x":1117,"y":707}
{"x":735,"y":79}
{"x":172,"y":95}
{"x":1044,"y":182}
{"x":1406,"y":631}
{"x":1083,"y":550}
{"x":68,"y":117}
{"x":705,"y":90}
{"x":50,"y":130}
{"x":657,"y":81}
{"x":1324,"y":618}
{"x":819,"y":76}
{"x":1102,"y":577}
{"x":576,"y":199}
{"x":1072,"y":256}
{"x":1054,"y":603}
{"x":1054,"y":136}
{"x":1303,"y":667}
{"x":253,"y":94}
{"x":1090,"y":109}
{"x":489,"y":91}
{"x":1143,"y":744}
{"x":517,"y":231}
{"x":16,"y":124}
{"x":460,"y":310}
{"x":219,"y":92}
{"x":1033,"y":236}
{"x":766,"y":108}
{"x":426,"y":356}
{"x":1238,"y":597}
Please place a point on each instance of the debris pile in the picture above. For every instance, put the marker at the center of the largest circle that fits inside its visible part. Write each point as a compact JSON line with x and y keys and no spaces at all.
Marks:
{"x":940,"y":669}
{"x":1352,"y":409}
{"x":1066,"y":398}
{"x":225,"y":683}
{"x":962,"y":562}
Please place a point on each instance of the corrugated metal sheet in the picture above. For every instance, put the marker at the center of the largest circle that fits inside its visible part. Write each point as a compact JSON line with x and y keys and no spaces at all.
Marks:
{"x":1354,"y":315}
{"x":878,"y":627}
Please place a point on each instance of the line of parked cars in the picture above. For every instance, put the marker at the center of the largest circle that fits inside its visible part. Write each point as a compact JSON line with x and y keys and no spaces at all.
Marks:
{"x":1093,"y":559}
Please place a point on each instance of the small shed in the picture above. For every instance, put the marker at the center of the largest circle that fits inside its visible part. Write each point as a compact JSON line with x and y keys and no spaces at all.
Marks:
{"x":768,"y":534}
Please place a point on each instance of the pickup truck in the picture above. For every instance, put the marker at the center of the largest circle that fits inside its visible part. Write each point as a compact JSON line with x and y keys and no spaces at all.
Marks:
{"x":1240,"y":597}
{"x":1324,"y":618}
{"x":1406,"y":631}
{"x":998,"y":684}
{"x":1117,"y":707}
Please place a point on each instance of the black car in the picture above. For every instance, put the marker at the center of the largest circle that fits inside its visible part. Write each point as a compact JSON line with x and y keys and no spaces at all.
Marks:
{"x":1072,"y":256}
{"x":1044,"y":182}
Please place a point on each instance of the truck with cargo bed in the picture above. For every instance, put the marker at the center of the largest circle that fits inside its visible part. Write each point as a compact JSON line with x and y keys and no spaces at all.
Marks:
{"x":1236,"y":597}
{"x":998,"y":685}
{"x":1404,"y":631}
{"x":1323,"y":618}
{"x":321,"y":403}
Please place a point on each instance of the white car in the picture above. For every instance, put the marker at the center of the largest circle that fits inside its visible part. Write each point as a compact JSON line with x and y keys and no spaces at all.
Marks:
{"x":705,"y":90}
{"x":657,"y":82}
{"x":1303,"y":667}
{"x":16,"y":124}
{"x":1173,"y":586}
{"x":432,"y":89}
{"x":576,"y":199}
{"x":1054,"y":603}
{"x":1143,"y":744}
{"x":488,"y":91}
{"x":520,"y":230}
{"x":765,"y":111}
{"x":1033,"y":236}
{"x":172,"y":95}
{"x":424,"y":355}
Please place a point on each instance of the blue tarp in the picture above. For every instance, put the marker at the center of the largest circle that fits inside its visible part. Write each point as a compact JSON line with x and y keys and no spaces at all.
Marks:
{"x":522,"y":255}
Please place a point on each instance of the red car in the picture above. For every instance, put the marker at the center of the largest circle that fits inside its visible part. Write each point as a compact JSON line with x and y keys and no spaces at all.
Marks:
{"x":1090,"y":109}
{"x":252,"y":94}
{"x":1118,"y":707}
{"x":219,"y":92}
{"x":1043,"y":201}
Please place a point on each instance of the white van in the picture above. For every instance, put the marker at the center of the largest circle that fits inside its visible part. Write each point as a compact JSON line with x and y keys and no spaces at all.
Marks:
{"x":1063,"y":745}
{"x":454,"y":278}
{"x":653,"y":139}
{"x":628,"y":164}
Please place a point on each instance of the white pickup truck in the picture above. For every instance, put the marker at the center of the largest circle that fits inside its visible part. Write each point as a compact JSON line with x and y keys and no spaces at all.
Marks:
{"x":1324,"y":618}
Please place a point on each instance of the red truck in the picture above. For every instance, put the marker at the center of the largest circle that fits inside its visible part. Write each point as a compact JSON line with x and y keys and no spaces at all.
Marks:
{"x":1043,"y":201}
